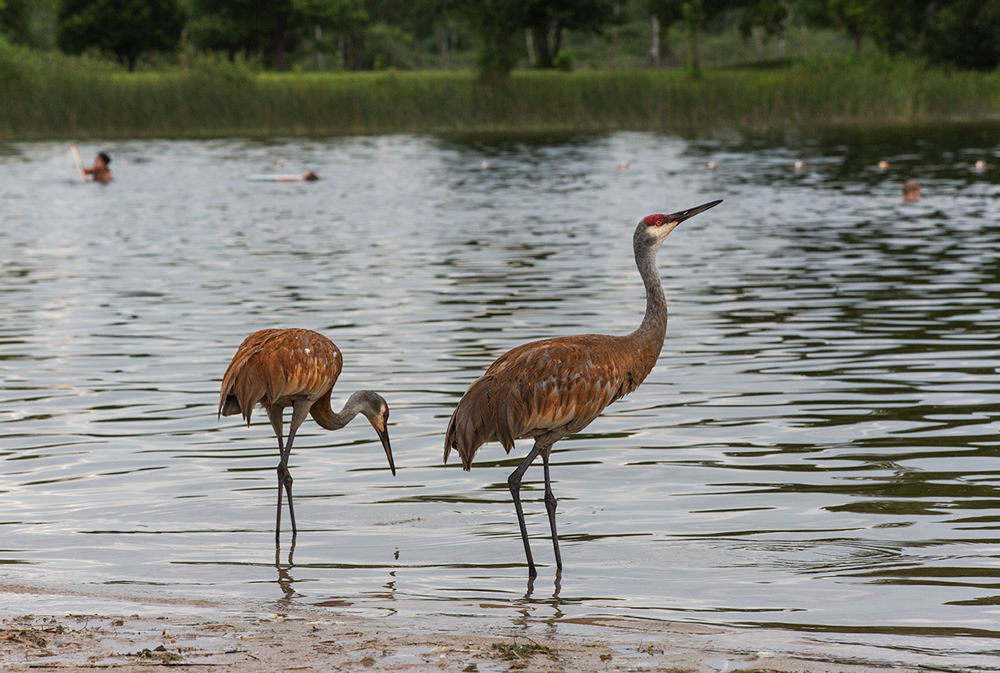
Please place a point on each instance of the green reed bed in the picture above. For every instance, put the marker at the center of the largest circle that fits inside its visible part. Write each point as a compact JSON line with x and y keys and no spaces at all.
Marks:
{"x":68,"y":98}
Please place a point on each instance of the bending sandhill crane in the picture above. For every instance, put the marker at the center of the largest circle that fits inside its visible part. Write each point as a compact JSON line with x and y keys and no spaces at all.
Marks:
{"x":295,"y":368}
{"x":548,"y":389}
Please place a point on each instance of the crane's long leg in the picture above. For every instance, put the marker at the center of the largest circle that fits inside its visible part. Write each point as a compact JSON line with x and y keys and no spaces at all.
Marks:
{"x":300,"y":410}
{"x":274,"y":414}
{"x":514,"y":483}
{"x":550,"y":507}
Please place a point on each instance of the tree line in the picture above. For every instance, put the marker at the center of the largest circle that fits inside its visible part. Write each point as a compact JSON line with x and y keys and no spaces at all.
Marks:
{"x":500,"y":34}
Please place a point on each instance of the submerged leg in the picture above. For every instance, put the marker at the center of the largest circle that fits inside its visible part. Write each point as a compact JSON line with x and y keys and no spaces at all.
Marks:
{"x":550,"y":507}
{"x":300,"y":410}
{"x":514,"y":483}
{"x":274,"y":414}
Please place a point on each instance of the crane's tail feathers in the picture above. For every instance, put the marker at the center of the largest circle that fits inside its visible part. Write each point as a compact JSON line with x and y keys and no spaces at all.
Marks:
{"x":230,"y":407}
{"x":243,"y":386}
{"x":475,"y":422}
{"x":448,"y":440}
{"x":454,"y":439}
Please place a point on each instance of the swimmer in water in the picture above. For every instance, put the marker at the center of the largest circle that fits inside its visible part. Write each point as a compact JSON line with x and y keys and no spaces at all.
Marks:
{"x":100,"y":168}
{"x":911,"y":190}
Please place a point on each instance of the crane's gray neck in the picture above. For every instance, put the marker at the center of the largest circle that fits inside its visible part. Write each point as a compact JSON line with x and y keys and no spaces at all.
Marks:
{"x":655,"y":320}
{"x":335,"y":421}
{"x":362,"y":402}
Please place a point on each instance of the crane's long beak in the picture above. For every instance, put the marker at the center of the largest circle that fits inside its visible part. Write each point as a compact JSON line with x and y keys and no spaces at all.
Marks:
{"x":682,"y":215}
{"x":384,"y":436}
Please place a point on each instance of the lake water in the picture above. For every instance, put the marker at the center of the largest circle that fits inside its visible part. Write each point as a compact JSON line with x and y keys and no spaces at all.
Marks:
{"x":814,"y":462}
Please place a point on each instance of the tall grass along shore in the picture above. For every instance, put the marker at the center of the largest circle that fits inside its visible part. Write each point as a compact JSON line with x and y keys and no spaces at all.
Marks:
{"x":62,"y":97}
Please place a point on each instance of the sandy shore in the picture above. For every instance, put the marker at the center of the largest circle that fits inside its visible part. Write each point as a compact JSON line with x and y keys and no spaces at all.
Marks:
{"x":317,"y":641}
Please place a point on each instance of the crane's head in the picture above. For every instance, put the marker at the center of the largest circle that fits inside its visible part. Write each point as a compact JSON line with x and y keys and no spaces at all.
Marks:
{"x":376,"y":410}
{"x":653,"y":229}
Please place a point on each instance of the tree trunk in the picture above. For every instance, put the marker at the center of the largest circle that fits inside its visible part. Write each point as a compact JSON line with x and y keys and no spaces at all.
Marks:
{"x":557,"y":39}
{"x":183,"y":50}
{"x":695,"y":57}
{"x":529,"y":42}
{"x":614,"y":35}
{"x":441,"y":38}
{"x":350,"y":51}
{"x":320,"y":58}
{"x":758,"y":41}
{"x":694,"y":17}
{"x":279,"y":53}
{"x":541,"y":41}
{"x":654,"y":49}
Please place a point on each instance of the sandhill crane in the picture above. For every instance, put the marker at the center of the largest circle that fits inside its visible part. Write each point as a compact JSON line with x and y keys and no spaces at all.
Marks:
{"x":548,"y":389}
{"x":295,"y":368}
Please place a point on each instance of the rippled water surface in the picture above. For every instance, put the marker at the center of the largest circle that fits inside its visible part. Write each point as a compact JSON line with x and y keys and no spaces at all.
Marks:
{"x":816,"y":453}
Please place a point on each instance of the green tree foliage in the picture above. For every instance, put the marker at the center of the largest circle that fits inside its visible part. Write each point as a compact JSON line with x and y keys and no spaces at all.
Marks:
{"x":964,"y":33}
{"x":694,"y":14}
{"x":548,"y":19}
{"x":668,"y":12}
{"x":419,"y":18}
{"x":400,"y":33}
{"x":372,"y":34}
{"x":331,"y":14}
{"x":29,"y":23}
{"x":768,"y":15}
{"x":125,"y":28}
{"x":497,"y":25}
{"x":272,"y":28}
{"x":434,"y":23}
{"x":896,"y":25}
{"x":250,"y":26}
{"x":857,"y":17}
{"x":346,"y":19}
{"x":15,"y":21}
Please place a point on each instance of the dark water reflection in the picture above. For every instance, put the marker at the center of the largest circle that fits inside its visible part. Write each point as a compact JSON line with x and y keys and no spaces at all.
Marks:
{"x":815,"y":455}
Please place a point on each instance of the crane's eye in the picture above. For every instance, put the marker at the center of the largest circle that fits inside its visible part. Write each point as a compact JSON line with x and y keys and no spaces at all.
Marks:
{"x":656,"y":220}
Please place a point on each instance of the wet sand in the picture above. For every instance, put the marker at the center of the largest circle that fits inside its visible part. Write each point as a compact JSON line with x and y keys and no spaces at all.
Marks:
{"x":321,"y":640}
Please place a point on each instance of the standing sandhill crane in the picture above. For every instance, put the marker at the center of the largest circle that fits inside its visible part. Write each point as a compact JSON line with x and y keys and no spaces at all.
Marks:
{"x":548,"y":389}
{"x":295,"y":368}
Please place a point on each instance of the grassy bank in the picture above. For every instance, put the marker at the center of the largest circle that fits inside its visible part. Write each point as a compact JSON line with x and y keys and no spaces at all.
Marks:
{"x":67,"y":98}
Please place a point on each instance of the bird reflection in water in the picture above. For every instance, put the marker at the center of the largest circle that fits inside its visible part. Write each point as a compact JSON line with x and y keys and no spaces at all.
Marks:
{"x":528,"y":607}
{"x":285,"y":579}
{"x":390,"y":587}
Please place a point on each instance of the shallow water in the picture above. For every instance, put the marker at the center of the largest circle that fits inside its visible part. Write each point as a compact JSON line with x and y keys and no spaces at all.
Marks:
{"x":814,"y":457}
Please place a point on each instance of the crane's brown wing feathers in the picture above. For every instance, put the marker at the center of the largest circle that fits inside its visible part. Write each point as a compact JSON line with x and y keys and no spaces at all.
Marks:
{"x":557,"y":384}
{"x":277,"y":365}
{"x":474,"y":421}
{"x":553,"y":386}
